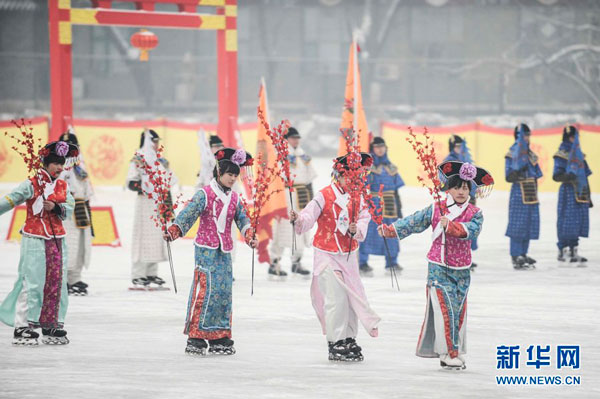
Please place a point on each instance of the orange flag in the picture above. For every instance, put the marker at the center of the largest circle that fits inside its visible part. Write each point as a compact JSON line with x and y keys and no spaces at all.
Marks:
{"x":276,"y":208}
{"x":353,"y":115}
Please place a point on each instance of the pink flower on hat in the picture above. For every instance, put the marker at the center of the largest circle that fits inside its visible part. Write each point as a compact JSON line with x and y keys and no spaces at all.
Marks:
{"x":467,"y":171}
{"x":62,"y":149}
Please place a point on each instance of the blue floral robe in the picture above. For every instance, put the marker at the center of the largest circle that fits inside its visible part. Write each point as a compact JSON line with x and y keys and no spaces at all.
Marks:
{"x":444,"y":327}
{"x":210,"y":302}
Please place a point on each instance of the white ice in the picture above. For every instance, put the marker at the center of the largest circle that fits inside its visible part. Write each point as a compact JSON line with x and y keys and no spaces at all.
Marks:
{"x":128,"y":344}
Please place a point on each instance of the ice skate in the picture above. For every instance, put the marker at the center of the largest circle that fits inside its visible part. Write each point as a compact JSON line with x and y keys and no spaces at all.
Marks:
{"x":196,"y":347}
{"x":365,"y":270}
{"x":520,"y":263}
{"x":78,"y":289}
{"x":299,"y":270}
{"x":156,"y":283}
{"x":54,"y":336}
{"x":340,"y":352}
{"x":577,"y":259}
{"x":221,"y":346}
{"x":562,"y":256}
{"x":25,"y":336}
{"x":354,"y":349}
{"x":450,"y":363}
{"x":275,"y":272}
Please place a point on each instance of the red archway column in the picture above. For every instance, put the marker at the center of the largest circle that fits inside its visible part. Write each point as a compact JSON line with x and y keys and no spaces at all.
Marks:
{"x":227,"y":88}
{"x":61,"y":99}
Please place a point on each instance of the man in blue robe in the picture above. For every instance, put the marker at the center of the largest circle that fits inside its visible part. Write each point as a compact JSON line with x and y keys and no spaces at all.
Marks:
{"x":574,"y":200}
{"x":523,"y":171}
{"x":385,"y":173}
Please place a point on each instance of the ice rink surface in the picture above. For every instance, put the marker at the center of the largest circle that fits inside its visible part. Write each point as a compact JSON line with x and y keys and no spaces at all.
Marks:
{"x":128,"y":344}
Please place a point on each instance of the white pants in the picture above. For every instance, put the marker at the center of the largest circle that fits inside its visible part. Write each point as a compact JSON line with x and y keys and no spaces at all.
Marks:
{"x":282,"y":239}
{"x":79,"y":242}
{"x":143,"y":269}
{"x":21,"y":308}
{"x":340,"y":320}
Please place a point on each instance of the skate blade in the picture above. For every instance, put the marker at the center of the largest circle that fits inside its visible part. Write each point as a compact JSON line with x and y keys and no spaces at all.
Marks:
{"x":25,"y":342}
{"x":366,"y":274}
{"x":55,"y":341}
{"x":195,"y":352}
{"x":221,"y":352}
{"x":149,"y":289}
{"x":273,"y":277}
{"x":453,"y":368}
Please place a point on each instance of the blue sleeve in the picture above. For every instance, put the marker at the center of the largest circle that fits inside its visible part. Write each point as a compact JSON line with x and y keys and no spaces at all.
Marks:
{"x":560,"y":166}
{"x":588,"y":171}
{"x":66,"y":208}
{"x":507,"y":167}
{"x":473,"y":227}
{"x":192,"y":211}
{"x":415,"y":223}
{"x":538,"y":171}
{"x":19,"y":195}
{"x":241,"y":218}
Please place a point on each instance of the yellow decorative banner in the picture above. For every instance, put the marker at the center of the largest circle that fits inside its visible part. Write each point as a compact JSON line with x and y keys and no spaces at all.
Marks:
{"x":108,"y":147}
{"x":103,"y":219}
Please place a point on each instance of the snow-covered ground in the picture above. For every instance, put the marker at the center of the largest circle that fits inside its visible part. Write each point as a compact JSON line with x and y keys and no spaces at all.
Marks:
{"x":130,"y":344}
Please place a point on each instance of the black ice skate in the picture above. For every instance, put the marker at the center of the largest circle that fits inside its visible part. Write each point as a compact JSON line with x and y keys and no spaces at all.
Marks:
{"x":576,"y":258}
{"x":340,"y":352}
{"x":530,"y":260}
{"x":54,"y":336}
{"x":25,"y":336}
{"x":298,"y":269}
{"x":221,"y":346}
{"x":78,"y":289}
{"x":156,"y":283}
{"x":196,"y":347}
{"x":355,"y":349}
{"x":473,"y":266}
{"x":275,"y":272}
{"x":365,"y":270}
{"x":562,"y":254}
{"x":520,"y":263}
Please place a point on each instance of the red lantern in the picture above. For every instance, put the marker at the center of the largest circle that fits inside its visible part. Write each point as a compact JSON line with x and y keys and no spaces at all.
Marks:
{"x":145,"y":41}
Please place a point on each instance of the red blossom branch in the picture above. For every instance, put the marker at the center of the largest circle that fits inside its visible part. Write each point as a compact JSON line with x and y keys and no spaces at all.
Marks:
{"x":161,"y":195}
{"x":277,"y":136}
{"x":31,"y":150}
{"x":426,"y":155}
{"x":260,"y":187}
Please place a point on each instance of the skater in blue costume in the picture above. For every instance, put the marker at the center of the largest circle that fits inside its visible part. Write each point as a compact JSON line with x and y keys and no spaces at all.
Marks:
{"x":523,"y":171}
{"x":385,"y":173}
{"x":574,"y":201}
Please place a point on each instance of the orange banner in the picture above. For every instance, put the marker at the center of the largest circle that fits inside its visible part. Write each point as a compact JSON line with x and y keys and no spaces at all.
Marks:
{"x":353,"y":115}
{"x":276,"y":207}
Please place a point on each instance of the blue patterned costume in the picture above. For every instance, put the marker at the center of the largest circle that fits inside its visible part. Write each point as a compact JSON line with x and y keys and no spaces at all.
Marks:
{"x":210,"y":302}
{"x":444,"y":327}
{"x":571,"y":169}
{"x":386,"y":173}
{"x":522,"y":169}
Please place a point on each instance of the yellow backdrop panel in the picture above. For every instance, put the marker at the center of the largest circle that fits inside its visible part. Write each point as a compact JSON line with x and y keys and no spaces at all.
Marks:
{"x":488,"y":147}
